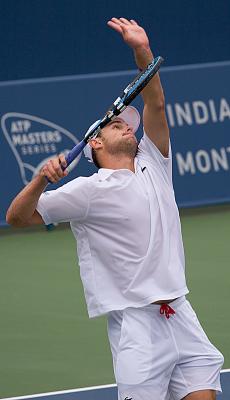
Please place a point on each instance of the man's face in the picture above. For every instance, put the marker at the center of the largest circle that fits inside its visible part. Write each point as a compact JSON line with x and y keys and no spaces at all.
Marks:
{"x":119,"y":138}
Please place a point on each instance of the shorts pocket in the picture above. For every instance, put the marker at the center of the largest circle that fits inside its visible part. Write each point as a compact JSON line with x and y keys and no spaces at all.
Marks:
{"x":138,"y":351}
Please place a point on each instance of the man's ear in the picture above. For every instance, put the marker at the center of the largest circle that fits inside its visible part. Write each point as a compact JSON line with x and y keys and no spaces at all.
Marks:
{"x":96,"y":143}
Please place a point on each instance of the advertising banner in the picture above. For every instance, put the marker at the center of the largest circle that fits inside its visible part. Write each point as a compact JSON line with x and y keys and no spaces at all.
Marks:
{"x":41,"y":118}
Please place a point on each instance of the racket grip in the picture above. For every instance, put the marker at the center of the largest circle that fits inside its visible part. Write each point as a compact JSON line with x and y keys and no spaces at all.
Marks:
{"x":76,"y":150}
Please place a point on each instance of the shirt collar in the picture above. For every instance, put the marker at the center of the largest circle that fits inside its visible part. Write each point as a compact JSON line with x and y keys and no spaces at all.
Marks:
{"x":105,"y":173}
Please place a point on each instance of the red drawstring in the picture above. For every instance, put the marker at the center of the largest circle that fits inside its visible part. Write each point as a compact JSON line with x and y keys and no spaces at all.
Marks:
{"x":167,"y":310}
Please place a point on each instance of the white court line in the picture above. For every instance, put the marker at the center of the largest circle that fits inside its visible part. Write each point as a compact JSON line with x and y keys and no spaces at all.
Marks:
{"x":85,"y":389}
{"x":33,"y":396}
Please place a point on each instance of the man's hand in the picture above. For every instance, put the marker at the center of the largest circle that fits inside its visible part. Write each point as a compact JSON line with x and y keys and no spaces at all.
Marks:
{"x":133,"y":34}
{"x":53,"y":171}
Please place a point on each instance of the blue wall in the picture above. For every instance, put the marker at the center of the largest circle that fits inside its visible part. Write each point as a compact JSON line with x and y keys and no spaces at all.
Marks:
{"x":43,"y":117}
{"x":42,"y":38}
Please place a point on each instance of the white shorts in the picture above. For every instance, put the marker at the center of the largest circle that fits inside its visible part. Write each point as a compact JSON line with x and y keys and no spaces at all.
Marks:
{"x":161,"y":358}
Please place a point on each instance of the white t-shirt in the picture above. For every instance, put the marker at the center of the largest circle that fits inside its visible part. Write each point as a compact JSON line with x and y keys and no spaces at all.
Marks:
{"x":127,"y":230}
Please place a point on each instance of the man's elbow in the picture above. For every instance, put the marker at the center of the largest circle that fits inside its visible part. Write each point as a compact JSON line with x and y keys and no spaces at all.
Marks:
{"x":156,"y":104}
{"x":160,"y":102}
{"x":14,"y":220}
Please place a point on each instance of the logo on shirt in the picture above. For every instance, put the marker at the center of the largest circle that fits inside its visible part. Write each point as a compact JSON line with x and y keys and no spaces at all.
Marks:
{"x":34,"y":141}
{"x":128,"y":398}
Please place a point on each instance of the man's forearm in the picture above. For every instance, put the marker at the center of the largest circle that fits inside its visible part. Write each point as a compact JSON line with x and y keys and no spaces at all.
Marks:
{"x":24,"y":205}
{"x":22,"y":209}
{"x":153,"y":93}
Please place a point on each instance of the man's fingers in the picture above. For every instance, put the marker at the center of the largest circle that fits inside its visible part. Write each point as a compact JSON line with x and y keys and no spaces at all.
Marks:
{"x":62,"y":160}
{"x":133,"y":22}
{"x":114,"y":26}
{"x":55,"y":162}
{"x":48,"y":172}
{"x":53,"y":169}
{"x":118,"y":25}
{"x":122,"y":25}
{"x":125,"y":21}
{"x":116,"y":20}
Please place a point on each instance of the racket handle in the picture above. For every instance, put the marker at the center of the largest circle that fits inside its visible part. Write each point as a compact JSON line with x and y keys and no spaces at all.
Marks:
{"x":76,"y":150}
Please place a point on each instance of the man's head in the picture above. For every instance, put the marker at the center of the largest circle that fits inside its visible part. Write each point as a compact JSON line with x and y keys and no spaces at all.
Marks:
{"x":116,"y":140}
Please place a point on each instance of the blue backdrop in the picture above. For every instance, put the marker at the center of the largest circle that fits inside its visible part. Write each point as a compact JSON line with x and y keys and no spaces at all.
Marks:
{"x":42,"y":117}
{"x":41,"y":38}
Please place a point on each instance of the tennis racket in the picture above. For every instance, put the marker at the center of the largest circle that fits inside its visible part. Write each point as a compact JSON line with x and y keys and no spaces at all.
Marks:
{"x":128,"y":95}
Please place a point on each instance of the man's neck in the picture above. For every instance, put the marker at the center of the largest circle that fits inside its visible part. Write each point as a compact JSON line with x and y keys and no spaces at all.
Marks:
{"x":119,"y":163}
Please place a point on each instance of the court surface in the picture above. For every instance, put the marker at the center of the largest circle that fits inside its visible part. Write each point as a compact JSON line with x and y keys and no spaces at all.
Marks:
{"x":47,"y":342}
{"x":109,"y":392}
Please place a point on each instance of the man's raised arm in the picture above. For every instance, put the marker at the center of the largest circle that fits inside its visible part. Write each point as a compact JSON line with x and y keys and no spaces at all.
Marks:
{"x":154,"y":118}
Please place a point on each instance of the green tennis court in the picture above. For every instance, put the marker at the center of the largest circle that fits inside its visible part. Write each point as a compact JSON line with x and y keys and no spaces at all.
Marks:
{"x":47,"y":341}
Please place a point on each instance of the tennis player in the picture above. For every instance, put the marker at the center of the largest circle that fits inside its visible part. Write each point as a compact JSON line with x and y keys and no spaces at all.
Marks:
{"x":126,"y":224}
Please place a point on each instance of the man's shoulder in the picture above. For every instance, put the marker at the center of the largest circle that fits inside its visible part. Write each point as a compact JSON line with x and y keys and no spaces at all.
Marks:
{"x":79,"y":183}
{"x":83,"y":179}
{"x":148,"y":147}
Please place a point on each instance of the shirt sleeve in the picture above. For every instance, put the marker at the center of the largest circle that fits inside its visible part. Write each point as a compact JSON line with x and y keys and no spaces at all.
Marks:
{"x":68,"y":203}
{"x":149,"y":151}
